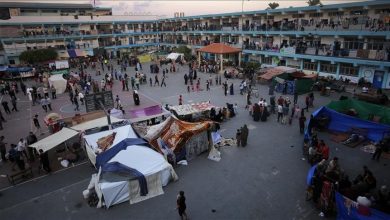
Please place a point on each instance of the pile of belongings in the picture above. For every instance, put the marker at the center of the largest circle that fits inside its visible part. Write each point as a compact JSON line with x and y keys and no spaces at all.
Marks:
{"x":226,"y":142}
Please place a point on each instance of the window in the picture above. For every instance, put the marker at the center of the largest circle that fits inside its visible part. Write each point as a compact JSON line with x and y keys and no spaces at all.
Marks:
{"x":335,"y":13}
{"x":348,"y":69}
{"x":298,"y":15}
{"x":28,"y":10}
{"x":359,"y":12}
{"x":327,"y":67}
{"x":315,"y":15}
{"x":353,"y":45}
{"x":308,"y":65}
{"x":375,"y":45}
{"x":49,"y":11}
{"x":267,"y":60}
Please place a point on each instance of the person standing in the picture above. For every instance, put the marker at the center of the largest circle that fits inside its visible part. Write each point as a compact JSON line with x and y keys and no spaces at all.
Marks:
{"x":3,"y":149}
{"x":378,"y":151}
{"x":31,"y":139}
{"x":43,"y":104}
{"x":150,"y":81}
{"x":163,"y":82}
{"x":181,"y":205}
{"x":81,"y":97}
{"x":185,"y":79}
{"x":44,"y":158}
{"x":21,"y":148}
{"x":180,"y":100}
{"x":207,"y":85}
{"x":136,"y":97}
{"x":238,"y":137}
{"x":225,"y":88}
{"x":76,"y":103}
{"x":13,"y":101}
{"x":5,"y":106}
{"x":137,"y":82}
{"x":295,"y":97}
{"x":53,"y":92}
{"x":48,"y":103}
{"x":302,"y":121}
{"x":36,"y":124}
{"x":156,"y":80}
{"x":244,"y":135}
{"x":280,"y":112}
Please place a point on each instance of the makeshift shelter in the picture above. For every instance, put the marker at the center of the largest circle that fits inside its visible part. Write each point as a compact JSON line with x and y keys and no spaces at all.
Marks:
{"x":58,"y":82}
{"x":296,"y":82}
{"x":143,"y":114}
{"x":276,"y":71}
{"x":344,"y":123}
{"x":191,"y":109}
{"x":55,"y":139}
{"x":129,"y":170}
{"x":179,"y":140}
{"x":364,"y":110}
{"x":177,"y":57}
{"x":220,"y":49}
{"x":99,"y":122}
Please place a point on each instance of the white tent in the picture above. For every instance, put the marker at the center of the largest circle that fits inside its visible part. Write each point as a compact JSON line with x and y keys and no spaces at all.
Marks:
{"x":58,"y":82}
{"x":157,"y":171}
{"x":55,"y":139}
{"x":174,"y":56}
{"x":99,"y":122}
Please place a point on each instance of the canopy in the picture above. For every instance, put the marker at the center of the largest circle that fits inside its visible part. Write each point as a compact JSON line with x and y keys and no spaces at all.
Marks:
{"x":174,"y":56}
{"x":219,"y":48}
{"x":58,"y":82}
{"x":99,"y":122}
{"x":364,"y":109}
{"x":19,"y":69}
{"x":77,"y":53}
{"x":188,"y":109}
{"x":275,"y":71}
{"x":55,"y":139}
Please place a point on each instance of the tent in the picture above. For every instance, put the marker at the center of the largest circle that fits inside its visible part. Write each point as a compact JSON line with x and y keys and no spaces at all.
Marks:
{"x":343,"y":123}
{"x":140,"y":159}
{"x":296,"y":81}
{"x":175,"y":56}
{"x":58,"y":82}
{"x":55,"y":139}
{"x":364,"y":109}
{"x":99,"y":122}
{"x":178,"y":139}
{"x":276,"y":71}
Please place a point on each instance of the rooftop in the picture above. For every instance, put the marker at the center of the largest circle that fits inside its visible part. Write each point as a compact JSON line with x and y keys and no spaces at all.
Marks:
{"x":47,"y":5}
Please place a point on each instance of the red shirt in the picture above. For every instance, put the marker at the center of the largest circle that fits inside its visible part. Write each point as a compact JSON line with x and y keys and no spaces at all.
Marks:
{"x":325,"y":152}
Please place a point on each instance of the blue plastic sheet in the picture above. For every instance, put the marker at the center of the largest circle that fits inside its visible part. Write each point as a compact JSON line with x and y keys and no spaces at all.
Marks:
{"x":351,"y":212}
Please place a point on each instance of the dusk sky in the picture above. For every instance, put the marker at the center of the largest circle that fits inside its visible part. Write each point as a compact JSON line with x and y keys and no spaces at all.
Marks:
{"x":168,"y":7}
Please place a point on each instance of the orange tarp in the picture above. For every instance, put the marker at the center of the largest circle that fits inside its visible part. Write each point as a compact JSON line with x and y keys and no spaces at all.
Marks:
{"x":275,"y":71}
{"x":175,"y":133}
{"x":219,"y":48}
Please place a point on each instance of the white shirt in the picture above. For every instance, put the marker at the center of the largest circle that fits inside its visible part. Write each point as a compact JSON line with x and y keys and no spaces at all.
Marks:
{"x":21,"y":146}
{"x":280,"y":109}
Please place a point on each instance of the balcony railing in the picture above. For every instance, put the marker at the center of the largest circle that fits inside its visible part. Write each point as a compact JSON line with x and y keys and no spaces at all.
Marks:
{"x":379,"y":55}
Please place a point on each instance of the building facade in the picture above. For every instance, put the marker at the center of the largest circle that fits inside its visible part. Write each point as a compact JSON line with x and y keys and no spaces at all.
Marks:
{"x":349,"y":40}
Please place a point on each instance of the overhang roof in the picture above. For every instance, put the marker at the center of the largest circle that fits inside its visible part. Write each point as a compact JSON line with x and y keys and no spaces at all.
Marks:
{"x":219,"y":48}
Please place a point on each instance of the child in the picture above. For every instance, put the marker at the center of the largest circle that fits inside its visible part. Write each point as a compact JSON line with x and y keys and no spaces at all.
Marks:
{"x":238,"y":137}
{"x":235,"y":107}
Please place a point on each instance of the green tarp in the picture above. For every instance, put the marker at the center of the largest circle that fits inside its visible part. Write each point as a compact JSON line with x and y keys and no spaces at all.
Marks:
{"x":59,"y":72}
{"x":364,"y":109}
{"x":301,"y":85}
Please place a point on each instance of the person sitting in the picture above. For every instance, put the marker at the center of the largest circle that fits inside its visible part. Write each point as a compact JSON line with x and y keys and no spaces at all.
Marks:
{"x":365,"y":181}
{"x":364,"y":89}
{"x":333,"y":167}
{"x":324,"y":150}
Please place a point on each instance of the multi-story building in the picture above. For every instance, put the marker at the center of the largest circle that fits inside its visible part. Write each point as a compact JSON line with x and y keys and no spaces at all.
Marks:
{"x":349,"y":40}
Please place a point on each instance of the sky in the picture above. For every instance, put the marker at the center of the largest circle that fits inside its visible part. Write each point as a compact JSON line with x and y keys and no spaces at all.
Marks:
{"x":167,"y":8}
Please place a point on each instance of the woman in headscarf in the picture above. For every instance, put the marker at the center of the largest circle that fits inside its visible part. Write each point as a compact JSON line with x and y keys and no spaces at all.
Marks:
{"x":136,"y":97}
{"x":244,"y":135}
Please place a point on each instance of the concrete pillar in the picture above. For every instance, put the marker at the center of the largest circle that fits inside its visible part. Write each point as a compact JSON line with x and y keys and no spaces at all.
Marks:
{"x":199,"y":54}
{"x":239,"y":59}
{"x":338,"y":71}
{"x":221,"y":57}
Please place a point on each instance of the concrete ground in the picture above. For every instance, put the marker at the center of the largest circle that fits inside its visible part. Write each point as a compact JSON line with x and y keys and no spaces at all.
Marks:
{"x":265,"y":180}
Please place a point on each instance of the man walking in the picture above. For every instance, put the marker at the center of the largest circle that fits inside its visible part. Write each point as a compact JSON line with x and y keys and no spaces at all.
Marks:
{"x":181,"y":205}
{"x":163,"y":82}
{"x":13,"y":101}
{"x":5,"y":106}
{"x":156,"y":81}
{"x":3,"y":149}
{"x":76,"y":103}
{"x":36,"y":124}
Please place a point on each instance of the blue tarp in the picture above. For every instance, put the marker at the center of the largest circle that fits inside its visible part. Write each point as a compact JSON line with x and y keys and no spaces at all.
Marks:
{"x":351,"y":212}
{"x":310,"y":174}
{"x":72,"y":53}
{"x":117,"y":167}
{"x":344,"y":123}
{"x":104,"y":157}
{"x":18,"y":69}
